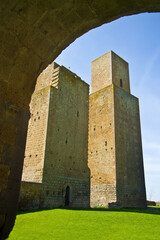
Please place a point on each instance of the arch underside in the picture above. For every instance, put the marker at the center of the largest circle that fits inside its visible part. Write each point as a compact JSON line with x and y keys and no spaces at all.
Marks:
{"x":33,"y":34}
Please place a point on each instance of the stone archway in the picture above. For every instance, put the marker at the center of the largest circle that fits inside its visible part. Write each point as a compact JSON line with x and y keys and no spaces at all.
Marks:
{"x":33,"y":33}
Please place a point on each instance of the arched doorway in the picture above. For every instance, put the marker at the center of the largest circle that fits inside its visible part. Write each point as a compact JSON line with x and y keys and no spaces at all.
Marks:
{"x":67,"y":196}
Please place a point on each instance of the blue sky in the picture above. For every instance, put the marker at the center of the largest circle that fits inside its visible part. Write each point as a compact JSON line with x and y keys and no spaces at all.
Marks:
{"x":137,"y":40}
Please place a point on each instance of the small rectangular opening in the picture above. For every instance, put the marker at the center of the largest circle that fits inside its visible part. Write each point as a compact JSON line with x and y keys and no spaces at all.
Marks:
{"x":121,"y":83}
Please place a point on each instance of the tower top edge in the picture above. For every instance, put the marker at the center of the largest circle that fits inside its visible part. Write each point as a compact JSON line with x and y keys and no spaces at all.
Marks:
{"x":111,"y":52}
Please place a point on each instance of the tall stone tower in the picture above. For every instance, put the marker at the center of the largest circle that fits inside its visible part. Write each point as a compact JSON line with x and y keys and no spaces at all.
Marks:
{"x":55,"y":171}
{"x":115,"y":147}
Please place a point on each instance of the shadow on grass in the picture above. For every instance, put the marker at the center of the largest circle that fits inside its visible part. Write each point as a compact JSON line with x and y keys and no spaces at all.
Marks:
{"x":148,"y":210}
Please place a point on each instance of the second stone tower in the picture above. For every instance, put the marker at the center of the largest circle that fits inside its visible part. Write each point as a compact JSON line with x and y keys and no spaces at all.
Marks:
{"x":115,"y":147}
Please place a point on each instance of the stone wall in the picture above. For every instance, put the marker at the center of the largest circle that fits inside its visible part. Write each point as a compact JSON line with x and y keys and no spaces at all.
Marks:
{"x":53,"y":193}
{"x":57,"y":141}
{"x":101,"y":153}
{"x":67,"y":139}
{"x":36,"y":136}
{"x":102,"y":194}
{"x":101,"y":73}
{"x":67,"y":133}
{"x":120,"y":72}
{"x":49,"y":195}
{"x":109,"y":69}
{"x":129,"y":158}
{"x":12,"y":142}
{"x":115,"y":147}
{"x":30,"y":195}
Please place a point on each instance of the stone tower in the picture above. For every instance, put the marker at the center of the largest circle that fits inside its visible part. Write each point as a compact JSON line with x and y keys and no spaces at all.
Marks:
{"x":115,"y":147}
{"x":55,"y":171}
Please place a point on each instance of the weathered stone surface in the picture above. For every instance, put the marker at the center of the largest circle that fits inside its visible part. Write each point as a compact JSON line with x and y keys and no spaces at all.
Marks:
{"x":129,"y":158}
{"x":109,"y":69}
{"x":32,"y":34}
{"x":115,"y":205}
{"x":8,"y":133}
{"x":36,"y":136}
{"x":57,"y":142}
{"x":101,"y":147}
{"x":2,"y":219}
{"x":115,"y":148}
{"x":4,"y":173}
{"x":30,"y":195}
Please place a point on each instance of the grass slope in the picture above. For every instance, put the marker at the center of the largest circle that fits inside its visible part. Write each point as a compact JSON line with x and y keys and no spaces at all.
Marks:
{"x":95,"y":224}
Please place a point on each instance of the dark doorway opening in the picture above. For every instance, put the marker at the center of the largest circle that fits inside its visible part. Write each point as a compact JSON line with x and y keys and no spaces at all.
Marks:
{"x":67,"y":196}
{"x":121,"y":83}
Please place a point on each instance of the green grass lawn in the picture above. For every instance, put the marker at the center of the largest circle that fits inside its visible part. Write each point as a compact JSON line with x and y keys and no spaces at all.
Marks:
{"x":98,"y":224}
